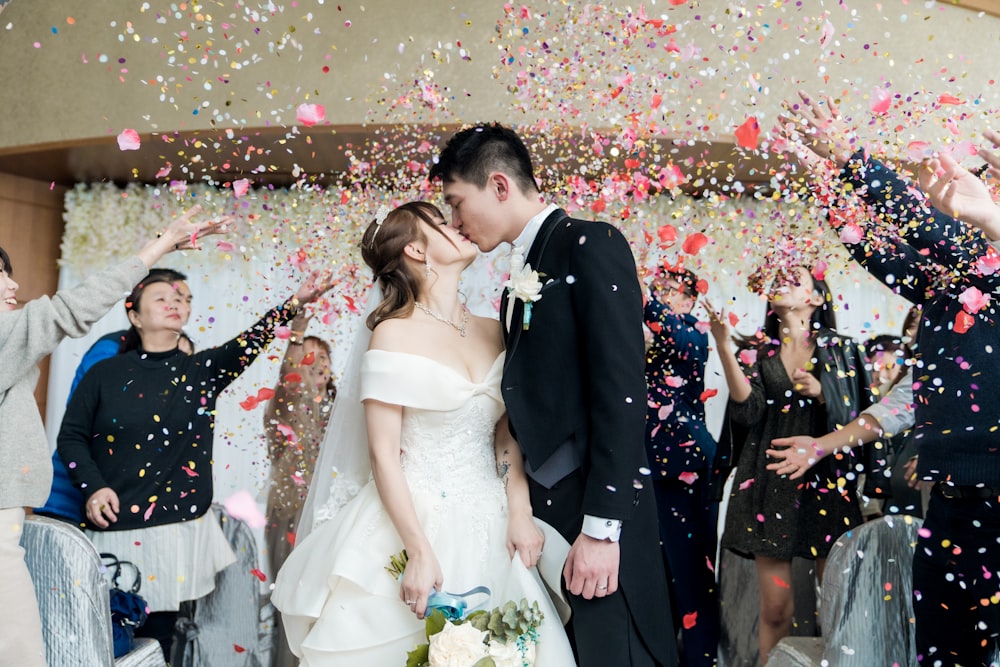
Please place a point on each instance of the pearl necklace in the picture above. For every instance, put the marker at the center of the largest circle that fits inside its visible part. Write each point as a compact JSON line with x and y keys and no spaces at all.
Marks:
{"x":441,"y":318}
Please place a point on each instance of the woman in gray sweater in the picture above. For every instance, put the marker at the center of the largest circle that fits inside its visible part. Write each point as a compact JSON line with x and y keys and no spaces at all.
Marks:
{"x":28,"y":334}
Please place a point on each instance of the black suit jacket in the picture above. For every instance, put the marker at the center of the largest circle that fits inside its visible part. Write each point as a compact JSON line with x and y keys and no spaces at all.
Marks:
{"x":578,"y":371}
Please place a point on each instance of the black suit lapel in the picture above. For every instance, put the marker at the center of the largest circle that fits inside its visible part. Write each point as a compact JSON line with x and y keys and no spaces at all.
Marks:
{"x":534,"y":253}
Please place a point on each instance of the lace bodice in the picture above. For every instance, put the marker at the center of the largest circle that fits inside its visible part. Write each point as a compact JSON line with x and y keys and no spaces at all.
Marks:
{"x":448,"y":423}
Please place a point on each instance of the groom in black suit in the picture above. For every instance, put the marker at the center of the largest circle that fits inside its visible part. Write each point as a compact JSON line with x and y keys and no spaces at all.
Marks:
{"x":574,"y":385}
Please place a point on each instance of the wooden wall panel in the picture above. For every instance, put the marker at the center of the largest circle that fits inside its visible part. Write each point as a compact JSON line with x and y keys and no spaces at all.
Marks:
{"x":31,"y":228}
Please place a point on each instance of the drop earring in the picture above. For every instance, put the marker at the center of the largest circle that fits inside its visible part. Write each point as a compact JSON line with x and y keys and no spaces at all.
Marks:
{"x":427,"y":268}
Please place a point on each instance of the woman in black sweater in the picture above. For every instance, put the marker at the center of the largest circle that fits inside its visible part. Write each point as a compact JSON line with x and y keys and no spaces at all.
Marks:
{"x":137,"y":440}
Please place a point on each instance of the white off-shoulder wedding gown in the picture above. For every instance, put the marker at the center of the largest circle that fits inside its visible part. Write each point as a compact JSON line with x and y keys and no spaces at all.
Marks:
{"x":339,"y":604}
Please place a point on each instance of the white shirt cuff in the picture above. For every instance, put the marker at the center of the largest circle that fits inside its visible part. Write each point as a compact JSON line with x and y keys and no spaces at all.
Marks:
{"x":602,"y":529}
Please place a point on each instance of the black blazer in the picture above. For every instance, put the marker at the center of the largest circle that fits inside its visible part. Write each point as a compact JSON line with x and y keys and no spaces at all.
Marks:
{"x":578,"y":372}
{"x":578,"y":369}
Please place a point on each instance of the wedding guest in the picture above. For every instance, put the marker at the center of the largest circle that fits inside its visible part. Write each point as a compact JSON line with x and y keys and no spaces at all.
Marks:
{"x":28,"y":334}
{"x":681,"y":452}
{"x":294,"y":423}
{"x":137,"y":440}
{"x":948,"y":266}
{"x":573,"y":385}
{"x":798,"y":376}
{"x":65,"y":501}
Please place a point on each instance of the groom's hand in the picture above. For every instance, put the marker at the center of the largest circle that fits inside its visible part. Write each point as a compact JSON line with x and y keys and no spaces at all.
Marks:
{"x":592,"y":567}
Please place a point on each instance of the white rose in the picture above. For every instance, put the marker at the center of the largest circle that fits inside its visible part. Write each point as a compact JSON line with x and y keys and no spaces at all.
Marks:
{"x":456,"y":646}
{"x":509,"y":655}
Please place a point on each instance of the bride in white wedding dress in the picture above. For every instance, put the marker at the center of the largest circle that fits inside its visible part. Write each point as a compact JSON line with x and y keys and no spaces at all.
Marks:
{"x":446,"y":483}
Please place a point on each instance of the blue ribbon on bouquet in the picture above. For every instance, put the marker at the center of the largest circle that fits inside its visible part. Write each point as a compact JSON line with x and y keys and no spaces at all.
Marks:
{"x":455,"y":606}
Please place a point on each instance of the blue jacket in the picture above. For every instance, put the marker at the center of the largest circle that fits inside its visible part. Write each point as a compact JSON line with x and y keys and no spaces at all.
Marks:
{"x":677,"y":439}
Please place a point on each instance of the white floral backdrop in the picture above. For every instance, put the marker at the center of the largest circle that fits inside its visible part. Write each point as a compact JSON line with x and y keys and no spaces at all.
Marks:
{"x":284,"y":233}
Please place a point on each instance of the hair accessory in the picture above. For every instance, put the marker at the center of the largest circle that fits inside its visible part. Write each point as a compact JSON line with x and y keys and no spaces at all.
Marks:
{"x":380,"y":215}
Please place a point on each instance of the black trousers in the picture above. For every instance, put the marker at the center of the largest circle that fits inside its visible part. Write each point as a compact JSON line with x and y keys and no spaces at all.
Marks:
{"x":601,"y":630}
{"x":956,"y":583}
{"x":688,"y":516}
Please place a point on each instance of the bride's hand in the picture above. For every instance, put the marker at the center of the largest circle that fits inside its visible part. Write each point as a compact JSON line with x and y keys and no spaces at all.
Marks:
{"x":524,"y":537}
{"x":422,"y":574}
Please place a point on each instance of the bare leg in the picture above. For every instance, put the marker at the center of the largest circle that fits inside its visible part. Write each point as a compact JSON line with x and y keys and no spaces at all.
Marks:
{"x":774,"y":577}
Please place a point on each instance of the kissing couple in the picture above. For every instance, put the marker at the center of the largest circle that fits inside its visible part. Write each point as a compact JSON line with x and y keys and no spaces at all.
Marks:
{"x":472,"y":444}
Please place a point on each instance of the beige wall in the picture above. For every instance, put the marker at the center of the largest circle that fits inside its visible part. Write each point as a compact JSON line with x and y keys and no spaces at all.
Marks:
{"x":30,"y":230}
{"x":257,"y":70}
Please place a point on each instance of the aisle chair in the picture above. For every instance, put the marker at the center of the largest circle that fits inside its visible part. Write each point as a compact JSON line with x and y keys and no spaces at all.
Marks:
{"x":222,"y":629}
{"x":74,"y":599}
{"x":866,"y":610}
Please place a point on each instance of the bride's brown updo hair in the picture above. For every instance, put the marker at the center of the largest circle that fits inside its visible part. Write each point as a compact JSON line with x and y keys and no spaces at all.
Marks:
{"x":382,"y":249}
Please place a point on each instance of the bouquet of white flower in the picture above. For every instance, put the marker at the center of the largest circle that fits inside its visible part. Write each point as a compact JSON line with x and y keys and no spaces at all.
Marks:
{"x":503,"y":637}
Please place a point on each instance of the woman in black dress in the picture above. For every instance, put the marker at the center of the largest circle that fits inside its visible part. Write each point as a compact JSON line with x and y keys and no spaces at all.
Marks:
{"x":797,"y":376}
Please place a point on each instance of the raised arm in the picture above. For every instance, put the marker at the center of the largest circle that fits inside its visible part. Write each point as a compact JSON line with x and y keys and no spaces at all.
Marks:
{"x":233,"y":357}
{"x":37,"y":328}
{"x":893,"y":414}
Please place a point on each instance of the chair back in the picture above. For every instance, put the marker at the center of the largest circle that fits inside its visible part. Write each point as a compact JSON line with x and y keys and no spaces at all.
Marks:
{"x":866,"y":613}
{"x":222,"y":629}
{"x":73,"y":597}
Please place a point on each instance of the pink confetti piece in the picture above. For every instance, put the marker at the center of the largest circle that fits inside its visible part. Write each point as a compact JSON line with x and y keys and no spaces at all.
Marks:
{"x":917,"y":151}
{"x":128,"y":140}
{"x":826,"y":34}
{"x":288,"y":432}
{"x":973,"y":300}
{"x":241,"y":187}
{"x":881,"y":101}
{"x":310,"y":114}
{"x":688,"y":477}
{"x":851,"y":234}
{"x":225,"y":246}
{"x":748,"y":357}
{"x":242,"y":506}
{"x":819,"y":270}
{"x":283,"y":332}
{"x":988,"y":265}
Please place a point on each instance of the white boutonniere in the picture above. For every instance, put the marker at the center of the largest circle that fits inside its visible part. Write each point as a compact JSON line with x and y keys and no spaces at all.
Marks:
{"x":524,"y":284}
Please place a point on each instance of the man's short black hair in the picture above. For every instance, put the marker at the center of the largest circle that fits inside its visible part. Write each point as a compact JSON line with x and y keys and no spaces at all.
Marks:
{"x":476,"y":152}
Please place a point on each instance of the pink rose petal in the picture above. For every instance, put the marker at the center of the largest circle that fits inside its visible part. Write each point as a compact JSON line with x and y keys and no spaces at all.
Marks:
{"x":881,"y":100}
{"x":241,"y":505}
{"x":128,"y":140}
{"x":241,"y":187}
{"x":688,"y":477}
{"x":973,"y":300}
{"x":851,"y":234}
{"x":310,"y":114}
{"x":917,"y":151}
